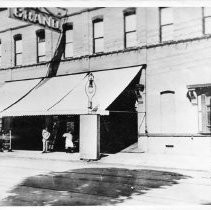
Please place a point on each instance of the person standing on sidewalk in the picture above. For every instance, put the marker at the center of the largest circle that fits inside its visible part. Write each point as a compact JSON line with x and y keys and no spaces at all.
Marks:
{"x":1,"y":145}
{"x":68,"y":142}
{"x":45,"y":139}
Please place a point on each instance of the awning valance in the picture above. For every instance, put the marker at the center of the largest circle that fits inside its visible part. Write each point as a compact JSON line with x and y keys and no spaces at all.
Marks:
{"x":65,"y":95}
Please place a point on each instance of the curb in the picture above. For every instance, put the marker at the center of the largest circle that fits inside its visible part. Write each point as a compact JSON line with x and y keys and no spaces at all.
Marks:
{"x":126,"y":165}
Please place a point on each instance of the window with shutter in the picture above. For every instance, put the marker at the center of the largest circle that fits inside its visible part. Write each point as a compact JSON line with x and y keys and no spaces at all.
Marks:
{"x":204,"y":102}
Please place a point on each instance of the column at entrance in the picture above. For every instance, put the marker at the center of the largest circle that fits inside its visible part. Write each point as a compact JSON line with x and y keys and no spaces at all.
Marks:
{"x":90,"y":137}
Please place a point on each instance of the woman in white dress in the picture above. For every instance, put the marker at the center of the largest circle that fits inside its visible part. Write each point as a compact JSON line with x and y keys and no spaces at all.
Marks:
{"x":68,"y":141}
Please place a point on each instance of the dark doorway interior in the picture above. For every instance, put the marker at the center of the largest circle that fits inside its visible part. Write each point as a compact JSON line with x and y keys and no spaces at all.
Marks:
{"x":26,"y":132}
{"x":120,"y":129}
{"x":66,"y":123}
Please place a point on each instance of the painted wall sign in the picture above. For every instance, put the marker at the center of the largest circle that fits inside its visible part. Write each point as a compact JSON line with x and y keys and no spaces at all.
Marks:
{"x":31,"y":15}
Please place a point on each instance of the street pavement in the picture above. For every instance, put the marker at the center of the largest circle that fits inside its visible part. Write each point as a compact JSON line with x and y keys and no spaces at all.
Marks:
{"x":29,"y":178}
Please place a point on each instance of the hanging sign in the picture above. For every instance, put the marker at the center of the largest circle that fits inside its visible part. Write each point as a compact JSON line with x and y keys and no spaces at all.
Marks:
{"x":37,"y":17}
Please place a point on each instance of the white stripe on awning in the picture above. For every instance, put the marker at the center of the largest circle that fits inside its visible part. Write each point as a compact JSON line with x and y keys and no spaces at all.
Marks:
{"x":11,"y":92}
{"x":65,"y":95}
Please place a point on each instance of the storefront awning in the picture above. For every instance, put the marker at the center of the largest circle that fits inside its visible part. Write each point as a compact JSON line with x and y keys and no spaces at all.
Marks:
{"x":13,"y":92}
{"x":65,"y":95}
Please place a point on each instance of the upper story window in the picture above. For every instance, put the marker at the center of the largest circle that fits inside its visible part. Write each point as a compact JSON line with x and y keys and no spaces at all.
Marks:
{"x":206,"y":11}
{"x":98,"y":33}
{"x":166,"y":24}
{"x":18,"y":49}
{"x":130,"y":36}
{"x":0,"y":52}
{"x":68,"y":41}
{"x":41,"y":54}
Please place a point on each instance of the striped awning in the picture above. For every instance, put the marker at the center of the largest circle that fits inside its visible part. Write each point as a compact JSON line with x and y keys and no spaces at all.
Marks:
{"x":66,"y":95}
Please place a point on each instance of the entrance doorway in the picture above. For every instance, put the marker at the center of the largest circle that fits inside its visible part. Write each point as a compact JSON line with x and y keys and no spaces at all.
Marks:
{"x":118,"y":131}
{"x":27,"y":133}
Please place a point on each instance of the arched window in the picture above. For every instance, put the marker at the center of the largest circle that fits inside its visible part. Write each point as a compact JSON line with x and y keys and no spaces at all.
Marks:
{"x":168,"y":111}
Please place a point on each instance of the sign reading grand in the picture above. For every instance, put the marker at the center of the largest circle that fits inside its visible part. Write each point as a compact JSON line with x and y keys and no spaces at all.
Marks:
{"x":31,"y":15}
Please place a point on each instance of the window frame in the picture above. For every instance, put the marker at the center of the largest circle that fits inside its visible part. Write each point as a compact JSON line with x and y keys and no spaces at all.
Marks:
{"x":206,"y":127}
{"x":128,"y":12}
{"x":204,"y":108}
{"x":38,"y":33}
{"x":67,"y":27}
{"x":203,"y":22}
{"x":97,"y":20}
{"x":161,"y":26}
{"x":18,"y":37}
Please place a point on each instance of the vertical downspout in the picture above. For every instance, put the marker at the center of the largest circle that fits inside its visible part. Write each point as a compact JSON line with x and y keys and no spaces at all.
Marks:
{"x":89,"y":37}
{"x":11,"y":54}
{"x":146,"y":37}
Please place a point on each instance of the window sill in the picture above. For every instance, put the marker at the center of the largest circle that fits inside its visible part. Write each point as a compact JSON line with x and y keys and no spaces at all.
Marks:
{"x":166,"y":42}
{"x":66,"y":58}
{"x":98,"y":53}
{"x":41,"y":62}
{"x":130,"y":48}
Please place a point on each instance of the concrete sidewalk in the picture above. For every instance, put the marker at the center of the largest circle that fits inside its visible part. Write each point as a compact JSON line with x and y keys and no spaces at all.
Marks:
{"x":141,"y":160}
{"x":160,"y":161}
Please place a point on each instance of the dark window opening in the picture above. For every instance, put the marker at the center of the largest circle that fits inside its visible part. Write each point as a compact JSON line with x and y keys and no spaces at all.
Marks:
{"x":68,"y":30}
{"x":41,"y":51}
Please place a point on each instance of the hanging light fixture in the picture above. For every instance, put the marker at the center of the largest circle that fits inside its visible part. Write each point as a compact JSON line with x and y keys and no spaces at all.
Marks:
{"x":90,"y":89}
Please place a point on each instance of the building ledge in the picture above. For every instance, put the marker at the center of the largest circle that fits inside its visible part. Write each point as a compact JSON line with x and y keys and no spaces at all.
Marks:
{"x":174,"y":135}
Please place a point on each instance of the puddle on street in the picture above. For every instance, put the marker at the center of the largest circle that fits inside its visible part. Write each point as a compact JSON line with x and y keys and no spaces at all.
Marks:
{"x":88,"y":186}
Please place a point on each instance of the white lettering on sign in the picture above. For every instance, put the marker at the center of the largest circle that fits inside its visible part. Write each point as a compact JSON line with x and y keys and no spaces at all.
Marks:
{"x":37,"y":17}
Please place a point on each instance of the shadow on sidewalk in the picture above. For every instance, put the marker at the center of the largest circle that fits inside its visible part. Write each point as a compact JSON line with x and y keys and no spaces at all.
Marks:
{"x":88,"y":186}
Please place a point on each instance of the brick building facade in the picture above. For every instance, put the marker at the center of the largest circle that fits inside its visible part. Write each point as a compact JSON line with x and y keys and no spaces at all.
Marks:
{"x":174,"y":44}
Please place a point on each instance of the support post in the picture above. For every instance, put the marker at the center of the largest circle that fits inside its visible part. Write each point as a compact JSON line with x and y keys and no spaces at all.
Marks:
{"x":10,"y":136}
{"x":89,"y":137}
